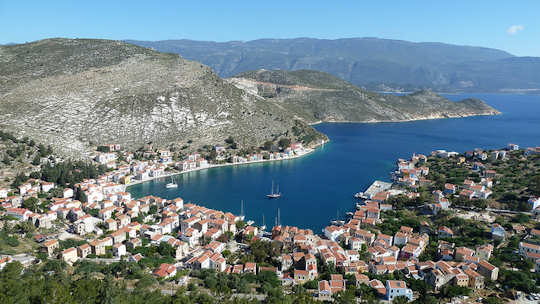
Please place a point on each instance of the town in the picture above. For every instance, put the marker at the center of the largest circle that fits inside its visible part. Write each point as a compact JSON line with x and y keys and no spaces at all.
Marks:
{"x":449,"y":226}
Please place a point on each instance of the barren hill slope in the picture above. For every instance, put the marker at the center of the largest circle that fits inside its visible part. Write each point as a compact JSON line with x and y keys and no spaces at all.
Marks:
{"x":76,"y":93}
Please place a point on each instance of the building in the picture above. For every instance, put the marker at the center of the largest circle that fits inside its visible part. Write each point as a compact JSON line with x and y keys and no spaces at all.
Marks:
{"x":119,"y":249}
{"x":461,"y":280}
{"x":337,"y":283}
{"x":487,"y":270}
{"x":84,"y":250}
{"x":397,"y":289}
{"x":4,"y":261}
{"x":49,"y":247}
{"x":301,"y":276}
{"x":534,"y":202}
{"x":165,"y":271}
{"x":498,"y":232}
{"x":70,"y":255}
{"x":526,"y":248}
{"x":325,"y":292}
{"x":476,"y":280}
{"x":361,"y":279}
{"x":98,"y":247}
{"x":445,"y":232}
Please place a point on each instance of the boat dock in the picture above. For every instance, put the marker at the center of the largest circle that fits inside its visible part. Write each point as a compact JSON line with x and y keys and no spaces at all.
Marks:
{"x":376,"y":187}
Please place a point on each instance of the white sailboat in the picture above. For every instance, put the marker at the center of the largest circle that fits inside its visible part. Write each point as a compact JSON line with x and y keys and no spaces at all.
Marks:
{"x":273,"y":194}
{"x":263,"y":227}
{"x":172,"y":184}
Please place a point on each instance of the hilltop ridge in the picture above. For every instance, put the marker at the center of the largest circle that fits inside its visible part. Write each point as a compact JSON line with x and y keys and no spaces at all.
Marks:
{"x":318,"y":96}
{"x":374,"y":63}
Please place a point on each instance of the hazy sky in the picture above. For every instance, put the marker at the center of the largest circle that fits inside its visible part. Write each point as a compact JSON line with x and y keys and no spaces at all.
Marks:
{"x":513,"y":26}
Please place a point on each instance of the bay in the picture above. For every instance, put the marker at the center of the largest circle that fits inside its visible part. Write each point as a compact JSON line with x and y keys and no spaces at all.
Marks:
{"x":319,"y":187}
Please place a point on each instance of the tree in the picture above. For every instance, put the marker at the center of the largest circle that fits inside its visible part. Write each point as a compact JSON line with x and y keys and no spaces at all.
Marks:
{"x":31,"y":204}
{"x":212,"y":155}
{"x":268,"y":145}
{"x":25,"y":227}
{"x":284,"y":142}
{"x":346,"y":297}
{"x":263,"y":251}
{"x":166,"y":250}
{"x":19,"y":180}
{"x":400,"y":300}
{"x":451,"y":291}
{"x":145,"y":281}
{"x":35,"y":175}
{"x":36,"y":161}
{"x":240,"y":224}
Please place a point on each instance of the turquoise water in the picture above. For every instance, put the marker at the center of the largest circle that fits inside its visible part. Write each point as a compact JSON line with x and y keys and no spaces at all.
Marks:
{"x":319,"y":186}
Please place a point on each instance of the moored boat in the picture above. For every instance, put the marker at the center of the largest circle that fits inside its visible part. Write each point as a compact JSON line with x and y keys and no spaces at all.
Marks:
{"x":172,"y":184}
{"x":273,"y":194}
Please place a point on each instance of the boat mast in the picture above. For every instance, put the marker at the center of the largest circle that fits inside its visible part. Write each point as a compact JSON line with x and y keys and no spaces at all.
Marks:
{"x":278,"y":219}
{"x":242,"y":208}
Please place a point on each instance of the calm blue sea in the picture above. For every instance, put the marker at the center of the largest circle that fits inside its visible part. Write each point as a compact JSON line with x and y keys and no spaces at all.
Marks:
{"x":318,"y":187}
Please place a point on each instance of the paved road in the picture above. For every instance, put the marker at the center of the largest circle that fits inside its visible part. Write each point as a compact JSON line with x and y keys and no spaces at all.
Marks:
{"x":170,"y":292}
{"x":259,"y":297}
{"x":102,"y":260}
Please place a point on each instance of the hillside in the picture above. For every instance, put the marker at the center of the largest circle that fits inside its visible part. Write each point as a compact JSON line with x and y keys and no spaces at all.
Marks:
{"x":77,"y":93}
{"x":376,"y":64}
{"x":317,"y":96}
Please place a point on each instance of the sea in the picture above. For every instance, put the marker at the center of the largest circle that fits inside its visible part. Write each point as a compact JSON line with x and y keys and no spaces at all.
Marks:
{"x":319,"y":187}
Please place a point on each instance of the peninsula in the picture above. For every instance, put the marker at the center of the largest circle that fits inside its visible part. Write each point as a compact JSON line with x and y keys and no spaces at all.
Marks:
{"x":317,"y":96}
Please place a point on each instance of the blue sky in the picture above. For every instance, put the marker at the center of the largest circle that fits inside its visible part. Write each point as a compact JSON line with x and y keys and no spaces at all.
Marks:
{"x":513,"y":26}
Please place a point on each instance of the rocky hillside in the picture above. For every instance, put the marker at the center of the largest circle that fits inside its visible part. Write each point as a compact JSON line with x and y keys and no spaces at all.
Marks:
{"x":317,"y":96}
{"x":77,"y":93}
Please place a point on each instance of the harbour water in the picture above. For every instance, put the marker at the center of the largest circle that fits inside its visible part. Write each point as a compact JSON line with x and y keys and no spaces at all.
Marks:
{"x":318,"y":187}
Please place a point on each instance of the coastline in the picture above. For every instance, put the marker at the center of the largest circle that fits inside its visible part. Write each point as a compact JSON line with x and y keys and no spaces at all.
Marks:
{"x":402,"y":120}
{"x":307,"y":151}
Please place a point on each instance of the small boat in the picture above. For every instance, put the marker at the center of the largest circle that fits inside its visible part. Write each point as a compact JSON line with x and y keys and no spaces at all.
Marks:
{"x":337,"y":222}
{"x":250,"y":222}
{"x":171,"y":185}
{"x":277,"y":194}
{"x":349,"y":213}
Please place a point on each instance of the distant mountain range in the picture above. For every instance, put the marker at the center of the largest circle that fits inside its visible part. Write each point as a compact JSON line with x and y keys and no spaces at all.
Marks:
{"x":315,"y":96}
{"x":376,"y":64}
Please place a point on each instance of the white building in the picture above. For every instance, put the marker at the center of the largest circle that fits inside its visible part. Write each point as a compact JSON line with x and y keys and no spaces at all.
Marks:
{"x":397,"y":289}
{"x":119,"y":249}
{"x":534,"y":202}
